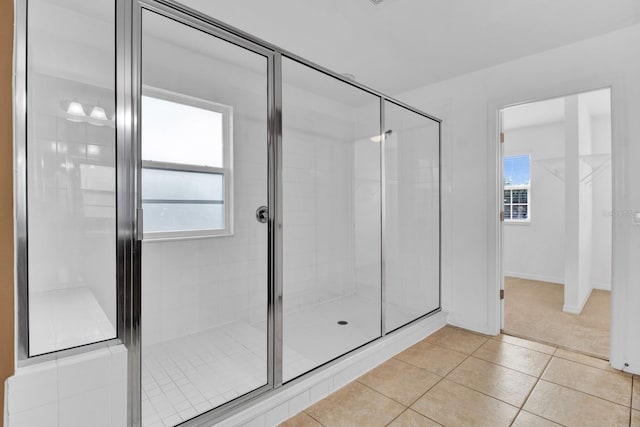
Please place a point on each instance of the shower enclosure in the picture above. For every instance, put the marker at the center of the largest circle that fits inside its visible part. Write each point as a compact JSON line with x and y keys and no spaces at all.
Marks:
{"x":259,"y":216}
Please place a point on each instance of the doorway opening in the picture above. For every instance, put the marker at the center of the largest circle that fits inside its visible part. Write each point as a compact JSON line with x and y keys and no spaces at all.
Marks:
{"x":555,"y":158}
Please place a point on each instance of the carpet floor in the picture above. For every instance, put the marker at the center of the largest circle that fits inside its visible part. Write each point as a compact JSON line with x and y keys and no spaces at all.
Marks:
{"x":533,"y":310}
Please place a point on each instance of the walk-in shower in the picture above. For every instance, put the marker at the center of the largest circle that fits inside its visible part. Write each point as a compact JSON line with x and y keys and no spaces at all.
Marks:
{"x":236,"y":215}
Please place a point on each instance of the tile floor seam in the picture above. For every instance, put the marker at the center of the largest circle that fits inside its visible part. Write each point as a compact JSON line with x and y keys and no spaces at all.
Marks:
{"x":502,"y":366}
{"x":547,"y":343}
{"x":455,"y":349}
{"x":611,"y":369}
{"x":409,"y":409}
{"x":581,"y":392}
{"x":555,"y":348}
{"x":378,"y":391}
{"x":421,"y":367}
{"x":445,"y":377}
{"x":519,"y":346}
{"x":524,"y":402}
{"x":438,"y":382}
{"x":507,"y":367}
{"x":311,"y":416}
{"x":396,"y":417}
{"x":584,"y":392}
{"x":540,"y":416}
{"x":482,"y":392}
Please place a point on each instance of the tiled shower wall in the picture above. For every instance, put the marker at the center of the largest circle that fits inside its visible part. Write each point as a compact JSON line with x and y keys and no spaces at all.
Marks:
{"x":71,"y":192}
{"x":77,"y":391}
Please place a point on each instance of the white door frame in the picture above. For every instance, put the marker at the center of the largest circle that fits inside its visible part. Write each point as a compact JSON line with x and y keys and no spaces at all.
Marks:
{"x":495,"y":273}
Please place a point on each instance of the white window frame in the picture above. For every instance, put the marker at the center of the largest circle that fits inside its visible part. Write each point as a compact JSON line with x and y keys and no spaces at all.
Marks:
{"x":528,"y":204}
{"x":518,"y":187}
{"x":226,"y":170}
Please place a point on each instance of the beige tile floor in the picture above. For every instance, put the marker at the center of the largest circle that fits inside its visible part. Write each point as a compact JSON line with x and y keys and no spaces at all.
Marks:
{"x":458,"y":378}
{"x":534,"y":310}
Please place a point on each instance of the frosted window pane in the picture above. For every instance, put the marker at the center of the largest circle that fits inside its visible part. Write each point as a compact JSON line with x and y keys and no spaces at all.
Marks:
{"x":179,"y":133}
{"x":181,"y":185}
{"x":164,"y":217}
{"x":182,"y":201}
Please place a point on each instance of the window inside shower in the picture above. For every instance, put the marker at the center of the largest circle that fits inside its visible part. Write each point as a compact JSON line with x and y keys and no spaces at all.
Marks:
{"x":186,"y":166}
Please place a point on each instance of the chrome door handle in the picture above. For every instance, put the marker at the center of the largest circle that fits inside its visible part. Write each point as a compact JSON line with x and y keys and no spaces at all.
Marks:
{"x":262,"y":214}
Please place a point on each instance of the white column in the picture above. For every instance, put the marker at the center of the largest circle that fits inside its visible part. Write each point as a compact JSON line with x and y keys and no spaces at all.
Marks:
{"x":578,"y":207}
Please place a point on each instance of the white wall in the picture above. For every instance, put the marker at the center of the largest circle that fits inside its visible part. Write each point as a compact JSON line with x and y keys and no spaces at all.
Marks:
{"x":468,"y":104}
{"x":601,"y":186}
{"x":535,"y":250}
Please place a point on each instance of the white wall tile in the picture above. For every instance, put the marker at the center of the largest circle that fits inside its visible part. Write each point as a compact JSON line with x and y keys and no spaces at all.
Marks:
{"x":81,"y":373}
{"x":256,"y":422}
{"x":299,"y":403}
{"x":118,"y":363}
{"x":321,"y":390}
{"x":277,"y":415}
{"x":118,"y":398}
{"x":86,"y":409}
{"x":33,"y":387}
{"x":46,"y":415}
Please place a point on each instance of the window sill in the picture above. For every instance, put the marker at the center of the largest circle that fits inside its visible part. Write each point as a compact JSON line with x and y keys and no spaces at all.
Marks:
{"x":168,"y":237}
{"x":527,"y":222}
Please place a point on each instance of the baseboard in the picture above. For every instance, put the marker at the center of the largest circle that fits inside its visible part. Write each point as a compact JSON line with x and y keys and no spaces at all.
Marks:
{"x":602,"y":286}
{"x":577,"y":310}
{"x":536,"y":277}
{"x":292,"y":398}
{"x":481,"y":329}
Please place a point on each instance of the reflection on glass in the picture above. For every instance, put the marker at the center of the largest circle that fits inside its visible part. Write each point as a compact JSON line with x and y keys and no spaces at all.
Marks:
{"x":331,"y":218}
{"x":204,"y":299}
{"x":71,"y":174}
{"x":412,"y":216}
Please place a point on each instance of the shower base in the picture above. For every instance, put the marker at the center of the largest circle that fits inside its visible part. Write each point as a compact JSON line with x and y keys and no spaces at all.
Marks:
{"x":185,"y":377}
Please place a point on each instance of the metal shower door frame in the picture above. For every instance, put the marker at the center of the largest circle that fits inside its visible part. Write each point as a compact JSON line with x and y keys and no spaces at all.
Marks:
{"x":130,"y":87}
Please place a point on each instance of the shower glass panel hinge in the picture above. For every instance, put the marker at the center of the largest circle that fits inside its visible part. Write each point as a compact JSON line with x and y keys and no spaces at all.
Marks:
{"x":502,"y":137}
{"x":139,"y":224}
{"x":501,"y":294}
{"x":501,"y":216}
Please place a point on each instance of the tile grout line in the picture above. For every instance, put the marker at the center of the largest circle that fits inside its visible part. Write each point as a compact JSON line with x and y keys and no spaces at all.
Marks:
{"x":503,"y":366}
{"x":434,"y":385}
{"x":584,"y":392}
{"x":445,"y":376}
{"x":411,"y":364}
{"x":311,"y":416}
{"x":557,"y":346}
{"x":495,"y":338}
{"x":409,"y":409}
{"x":533,"y":388}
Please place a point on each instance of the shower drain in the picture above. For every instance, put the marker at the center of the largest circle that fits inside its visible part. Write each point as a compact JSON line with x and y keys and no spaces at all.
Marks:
{"x":342,"y":322}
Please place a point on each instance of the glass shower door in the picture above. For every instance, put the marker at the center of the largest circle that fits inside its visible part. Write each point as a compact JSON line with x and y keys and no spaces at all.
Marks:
{"x":204,"y":193}
{"x":331,"y":218}
{"x":412,"y":215}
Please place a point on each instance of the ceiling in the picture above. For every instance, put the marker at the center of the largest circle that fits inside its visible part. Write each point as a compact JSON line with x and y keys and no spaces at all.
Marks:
{"x":597,"y":103}
{"x":403,"y":44}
